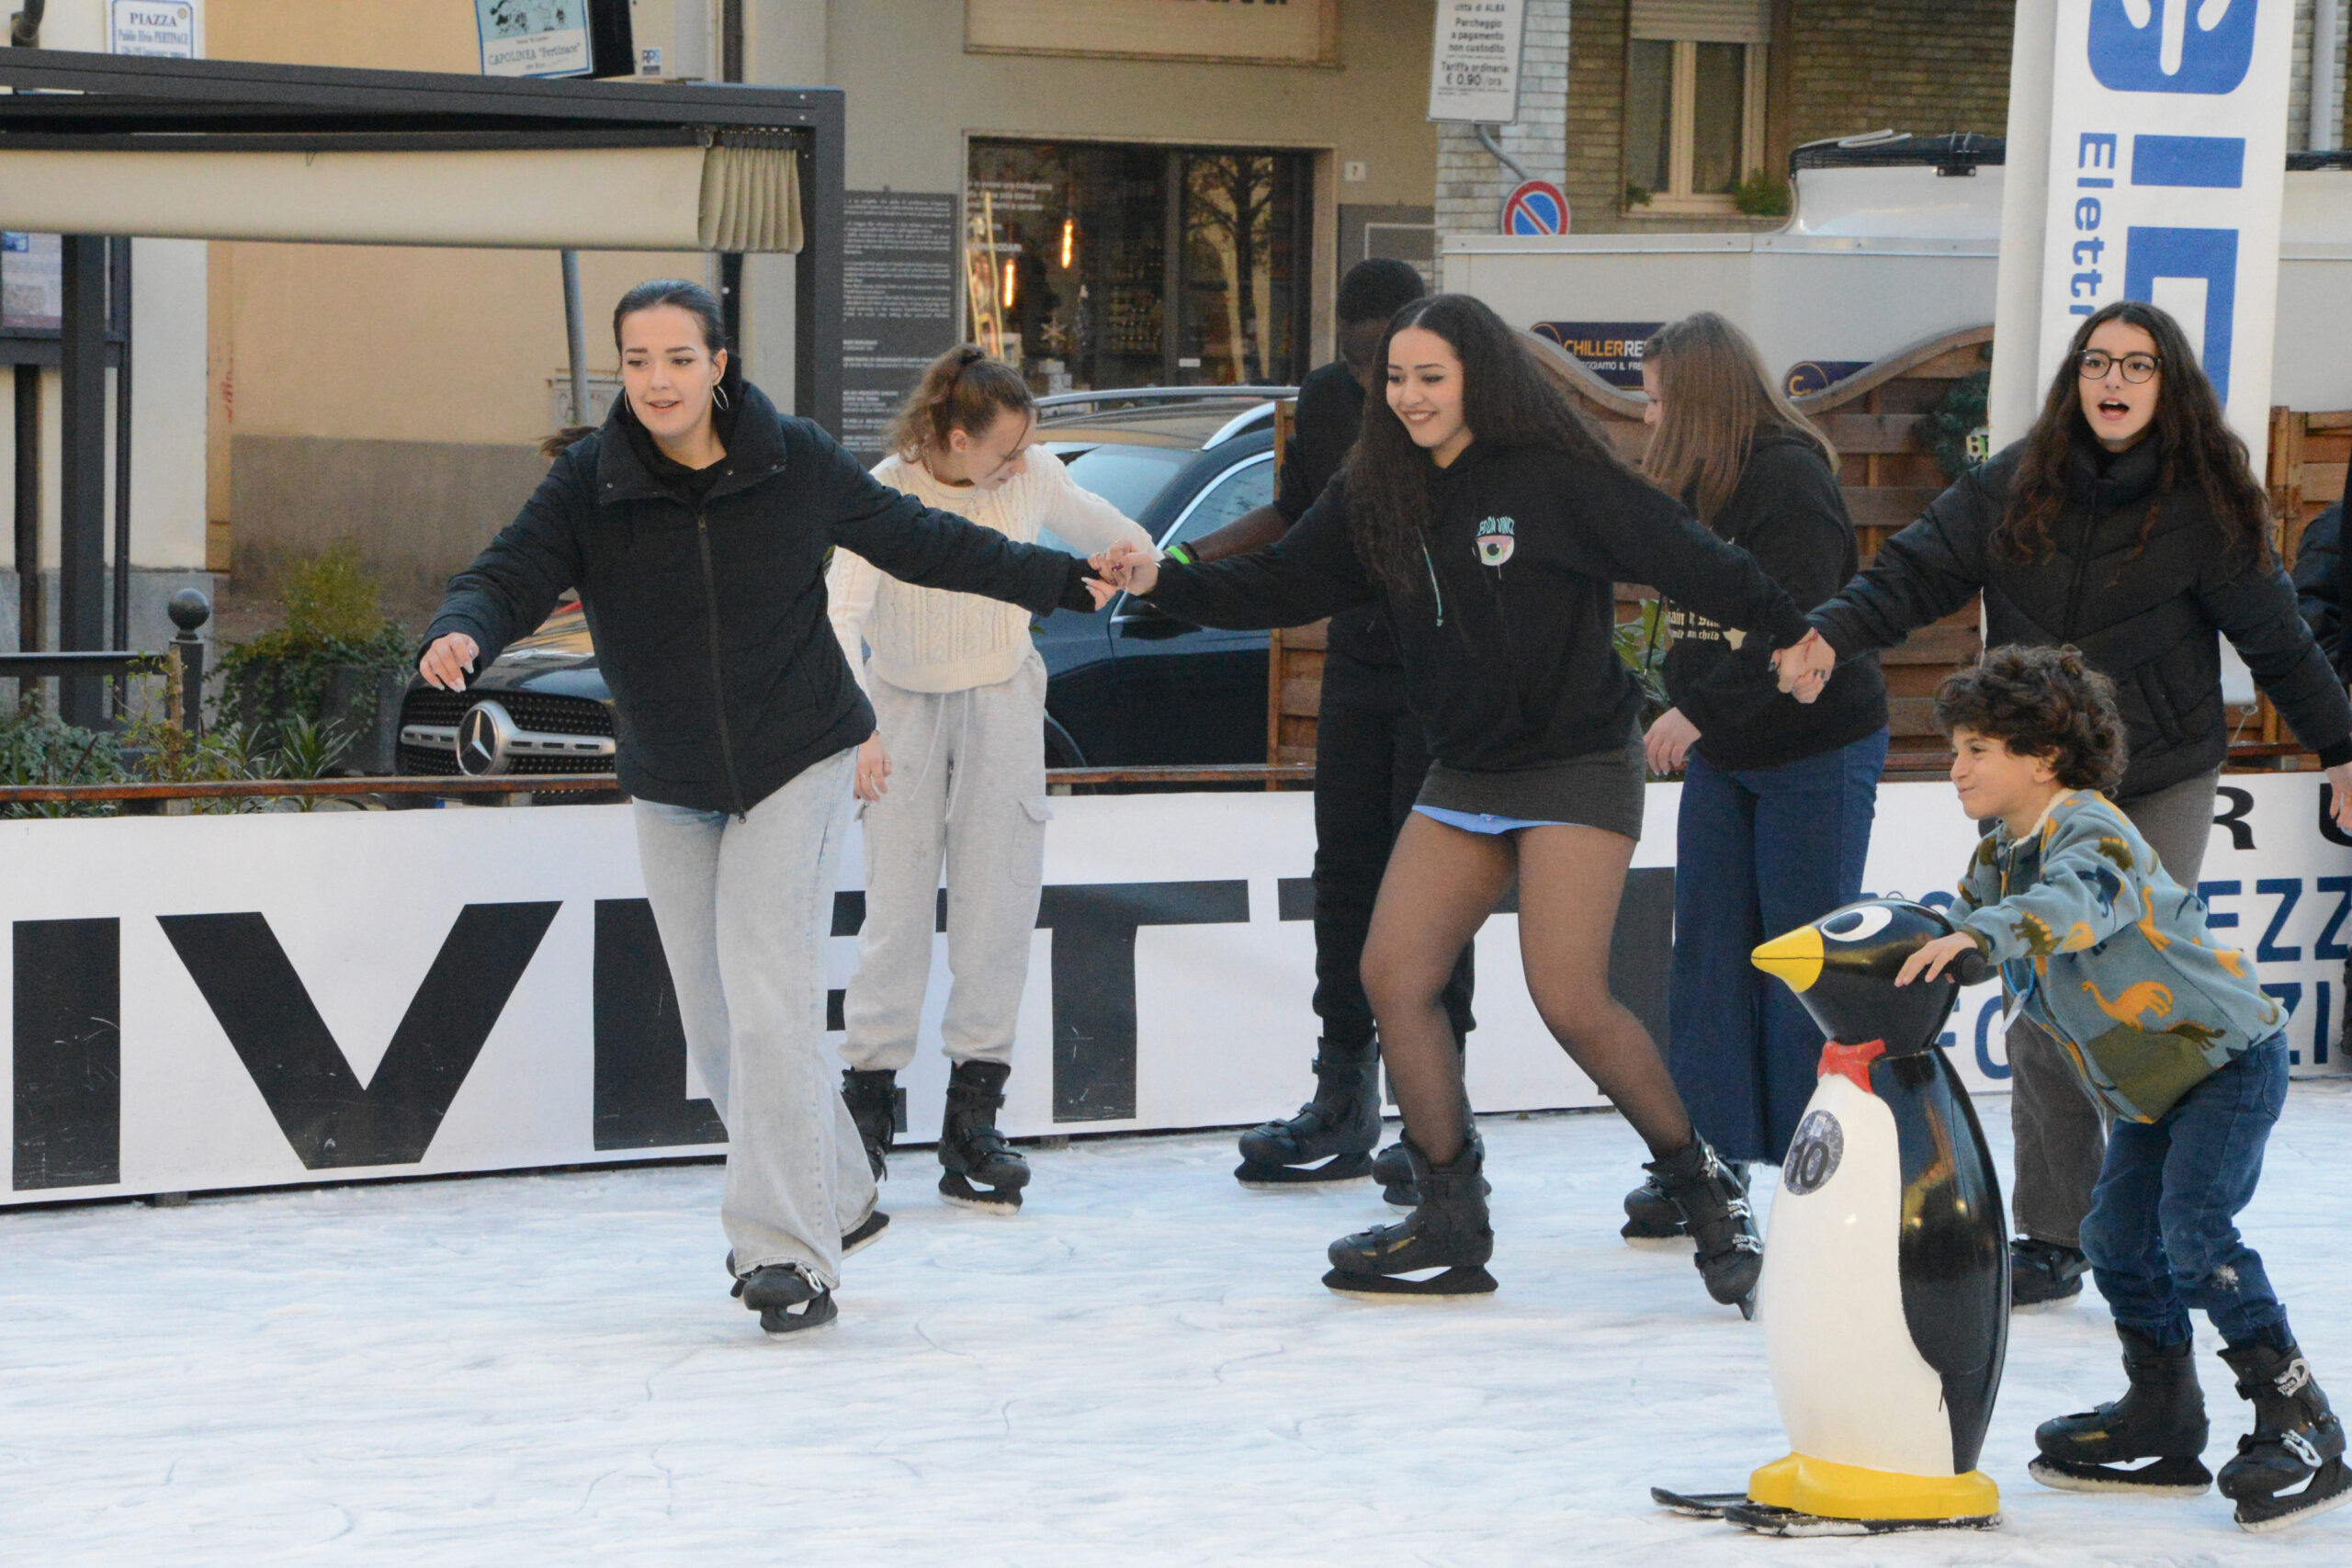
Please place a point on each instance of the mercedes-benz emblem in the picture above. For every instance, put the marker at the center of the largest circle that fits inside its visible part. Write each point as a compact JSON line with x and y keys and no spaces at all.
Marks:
{"x":483,"y":740}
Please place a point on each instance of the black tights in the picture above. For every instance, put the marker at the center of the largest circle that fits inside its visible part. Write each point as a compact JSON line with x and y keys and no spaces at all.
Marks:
{"x":1442,"y":884}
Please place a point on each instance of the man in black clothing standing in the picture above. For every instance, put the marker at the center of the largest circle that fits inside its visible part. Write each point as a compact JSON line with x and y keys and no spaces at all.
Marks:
{"x":1370,"y":758}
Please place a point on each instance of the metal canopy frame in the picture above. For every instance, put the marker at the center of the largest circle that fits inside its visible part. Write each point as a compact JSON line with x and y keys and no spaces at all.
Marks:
{"x":69,"y":100}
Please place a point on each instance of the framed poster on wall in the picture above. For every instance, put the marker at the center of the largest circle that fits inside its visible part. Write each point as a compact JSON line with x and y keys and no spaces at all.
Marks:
{"x":1267,"y":33}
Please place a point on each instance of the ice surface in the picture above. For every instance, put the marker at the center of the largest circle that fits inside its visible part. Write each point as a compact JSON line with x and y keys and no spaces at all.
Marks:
{"x":1139,"y":1368}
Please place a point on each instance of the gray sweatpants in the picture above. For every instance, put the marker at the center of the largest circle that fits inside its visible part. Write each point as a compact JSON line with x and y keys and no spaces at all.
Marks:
{"x":2060,"y":1130}
{"x":966,"y":792}
{"x":744,"y":908}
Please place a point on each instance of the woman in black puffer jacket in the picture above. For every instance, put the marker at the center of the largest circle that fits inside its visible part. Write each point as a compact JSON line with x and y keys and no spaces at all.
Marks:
{"x":2128,"y":524}
{"x":695,"y":527}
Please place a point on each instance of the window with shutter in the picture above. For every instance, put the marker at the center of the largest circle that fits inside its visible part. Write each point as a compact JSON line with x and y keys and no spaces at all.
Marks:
{"x":1694,"y":101}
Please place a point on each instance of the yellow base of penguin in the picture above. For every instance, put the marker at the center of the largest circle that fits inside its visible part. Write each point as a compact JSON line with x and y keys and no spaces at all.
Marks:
{"x":1829,"y":1490}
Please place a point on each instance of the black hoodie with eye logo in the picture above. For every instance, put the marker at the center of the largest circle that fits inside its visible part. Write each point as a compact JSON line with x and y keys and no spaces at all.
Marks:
{"x":1509,"y":642}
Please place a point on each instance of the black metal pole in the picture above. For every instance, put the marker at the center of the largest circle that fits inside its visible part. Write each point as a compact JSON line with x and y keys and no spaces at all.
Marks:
{"x":32,"y":608}
{"x":82,"y":479}
{"x":817,"y":273}
{"x":121,"y":253}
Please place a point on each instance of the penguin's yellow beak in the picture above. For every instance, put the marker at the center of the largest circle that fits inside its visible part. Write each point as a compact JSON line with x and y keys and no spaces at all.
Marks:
{"x":1794,"y":957}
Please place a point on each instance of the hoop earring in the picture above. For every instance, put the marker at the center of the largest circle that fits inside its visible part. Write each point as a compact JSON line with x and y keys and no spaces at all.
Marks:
{"x":719,"y":397}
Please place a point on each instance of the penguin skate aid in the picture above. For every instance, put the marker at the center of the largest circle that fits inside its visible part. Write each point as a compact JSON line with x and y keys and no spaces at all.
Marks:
{"x":1885,"y":1281}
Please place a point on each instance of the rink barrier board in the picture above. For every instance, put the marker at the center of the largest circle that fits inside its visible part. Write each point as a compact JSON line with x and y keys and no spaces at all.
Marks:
{"x":227,"y":1002}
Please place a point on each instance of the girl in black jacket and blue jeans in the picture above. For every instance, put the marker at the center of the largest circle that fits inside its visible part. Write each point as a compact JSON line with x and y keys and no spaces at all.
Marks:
{"x":1493,"y":525}
{"x":694,"y":526}
{"x":1778,"y":797}
{"x":2128,"y":524}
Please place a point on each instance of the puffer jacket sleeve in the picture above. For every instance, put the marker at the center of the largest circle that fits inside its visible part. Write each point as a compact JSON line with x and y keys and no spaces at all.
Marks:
{"x":1921,"y":575}
{"x":511,"y":586}
{"x":931,"y":548}
{"x":2318,"y":579}
{"x":2255,"y":607}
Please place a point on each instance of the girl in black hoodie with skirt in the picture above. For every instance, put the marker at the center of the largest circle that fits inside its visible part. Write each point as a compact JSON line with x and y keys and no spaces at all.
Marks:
{"x":1493,"y":525}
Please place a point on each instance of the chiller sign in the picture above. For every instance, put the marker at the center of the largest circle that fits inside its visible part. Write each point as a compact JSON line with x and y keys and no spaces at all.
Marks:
{"x":2167,"y":157}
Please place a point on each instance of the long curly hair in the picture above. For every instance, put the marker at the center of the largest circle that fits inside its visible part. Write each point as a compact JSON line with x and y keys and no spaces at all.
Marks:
{"x":2199,"y":452}
{"x":1506,"y":401}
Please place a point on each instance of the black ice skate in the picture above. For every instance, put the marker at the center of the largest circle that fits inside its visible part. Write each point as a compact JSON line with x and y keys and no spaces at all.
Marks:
{"x":1651,"y":1218}
{"x":2161,"y":1417}
{"x":970,"y":1148}
{"x":1713,"y":1204}
{"x":1393,"y":1169}
{"x":1337,"y":1128}
{"x":786,"y":1299}
{"x":2043,"y":1273}
{"x":872,"y":1101}
{"x":1448,"y":1231}
{"x":2295,"y":1442}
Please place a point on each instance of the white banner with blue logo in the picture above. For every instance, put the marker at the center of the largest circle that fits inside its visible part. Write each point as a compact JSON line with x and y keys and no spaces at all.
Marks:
{"x":2167,"y":167}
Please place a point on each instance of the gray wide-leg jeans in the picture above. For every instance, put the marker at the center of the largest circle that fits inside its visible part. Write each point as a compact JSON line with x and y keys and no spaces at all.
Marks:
{"x":744,"y":907}
{"x":966,"y":793}
{"x":2060,"y":1131}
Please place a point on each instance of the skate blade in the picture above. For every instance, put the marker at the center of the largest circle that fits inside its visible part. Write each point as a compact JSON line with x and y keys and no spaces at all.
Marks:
{"x":1746,"y":1305}
{"x":999,"y":1200}
{"x":1678,"y":1242}
{"x":1470,"y":1281}
{"x":1275,"y":1177}
{"x":820,"y":1312}
{"x":865,"y":1235}
{"x":2163,"y":1478}
{"x":1764,"y":1520}
{"x":2295,"y":1507}
{"x":1699,"y":1505}
{"x":2055,"y":1303}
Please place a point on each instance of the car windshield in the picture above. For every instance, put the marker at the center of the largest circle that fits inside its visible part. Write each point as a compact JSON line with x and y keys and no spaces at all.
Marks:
{"x":1129,"y":477}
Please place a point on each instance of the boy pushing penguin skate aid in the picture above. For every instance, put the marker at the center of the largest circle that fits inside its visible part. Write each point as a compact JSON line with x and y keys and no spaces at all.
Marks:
{"x":2173,"y":1034}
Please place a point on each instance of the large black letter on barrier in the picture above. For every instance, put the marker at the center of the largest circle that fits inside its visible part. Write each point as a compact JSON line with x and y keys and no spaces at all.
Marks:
{"x":68,"y":1054}
{"x":301,"y":1072}
{"x":641,"y":1048}
{"x":1094,"y":980}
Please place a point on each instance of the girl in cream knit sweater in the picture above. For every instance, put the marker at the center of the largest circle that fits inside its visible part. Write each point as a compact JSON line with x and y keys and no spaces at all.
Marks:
{"x":955,"y":774}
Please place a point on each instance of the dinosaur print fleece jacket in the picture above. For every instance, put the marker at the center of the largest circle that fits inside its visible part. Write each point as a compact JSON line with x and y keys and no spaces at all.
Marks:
{"x":2103,"y":949}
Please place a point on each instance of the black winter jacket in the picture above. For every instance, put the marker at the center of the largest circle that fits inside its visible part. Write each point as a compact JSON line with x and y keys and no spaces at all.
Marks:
{"x":1510,"y":660}
{"x":1787,"y":513}
{"x":2149,"y":617}
{"x":2319,"y":584}
{"x":1331,"y":412}
{"x":710,"y":625}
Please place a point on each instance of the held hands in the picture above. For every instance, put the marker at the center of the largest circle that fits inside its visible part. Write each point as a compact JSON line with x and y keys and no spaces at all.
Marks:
{"x":873,"y":770}
{"x":446,"y":663}
{"x":1804,"y":666}
{"x":1125,"y":565}
{"x":1668,"y":741}
{"x":1929,"y":961}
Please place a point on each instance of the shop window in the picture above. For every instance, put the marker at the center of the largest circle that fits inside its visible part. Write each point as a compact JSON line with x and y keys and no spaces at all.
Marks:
{"x":1694,"y":102}
{"x":1097,"y":265}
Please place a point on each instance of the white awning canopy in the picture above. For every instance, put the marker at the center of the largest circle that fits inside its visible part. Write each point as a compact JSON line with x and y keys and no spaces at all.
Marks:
{"x":730,"y":195}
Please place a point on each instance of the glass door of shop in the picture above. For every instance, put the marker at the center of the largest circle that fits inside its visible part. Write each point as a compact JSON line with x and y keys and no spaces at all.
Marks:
{"x":1093,"y":265}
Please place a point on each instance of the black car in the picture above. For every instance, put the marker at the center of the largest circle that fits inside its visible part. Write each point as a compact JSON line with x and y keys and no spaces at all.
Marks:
{"x":1129,"y":686}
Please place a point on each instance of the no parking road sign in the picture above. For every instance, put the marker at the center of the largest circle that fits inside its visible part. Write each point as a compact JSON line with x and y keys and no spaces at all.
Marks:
{"x":1538,"y":206}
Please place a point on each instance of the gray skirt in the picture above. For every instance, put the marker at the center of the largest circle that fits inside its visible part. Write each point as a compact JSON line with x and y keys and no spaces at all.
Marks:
{"x":1599,"y":789}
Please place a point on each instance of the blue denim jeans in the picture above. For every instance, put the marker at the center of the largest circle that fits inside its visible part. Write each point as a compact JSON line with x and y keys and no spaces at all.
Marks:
{"x":1758,"y":851}
{"x":2163,"y":1235}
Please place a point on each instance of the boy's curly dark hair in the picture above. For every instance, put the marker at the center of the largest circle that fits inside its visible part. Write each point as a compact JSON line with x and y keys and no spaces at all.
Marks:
{"x":2040,"y":702}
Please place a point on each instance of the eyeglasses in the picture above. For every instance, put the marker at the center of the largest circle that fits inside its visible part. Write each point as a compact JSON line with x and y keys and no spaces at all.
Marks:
{"x":2138,"y":368}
